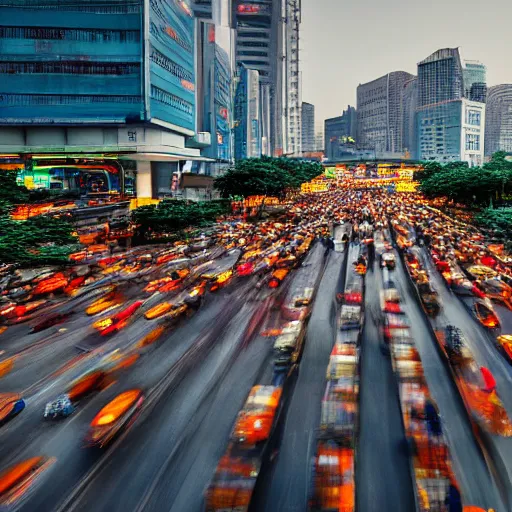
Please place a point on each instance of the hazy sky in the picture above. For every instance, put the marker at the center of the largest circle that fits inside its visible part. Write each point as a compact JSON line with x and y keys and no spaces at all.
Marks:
{"x":348,"y":42}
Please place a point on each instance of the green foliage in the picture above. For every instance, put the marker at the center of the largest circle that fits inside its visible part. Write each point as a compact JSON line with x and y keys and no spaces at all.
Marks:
{"x":266,"y":176}
{"x":10,"y":191}
{"x":499,"y":220}
{"x":467,"y":185}
{"x":173,"y":216}
{"x":39,"y":240}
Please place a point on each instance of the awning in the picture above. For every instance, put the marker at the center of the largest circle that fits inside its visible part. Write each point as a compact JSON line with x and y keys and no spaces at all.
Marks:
{"x":164,"y":157}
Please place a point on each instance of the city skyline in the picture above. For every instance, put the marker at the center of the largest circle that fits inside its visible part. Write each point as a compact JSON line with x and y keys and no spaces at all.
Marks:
{"x":366,"y":58}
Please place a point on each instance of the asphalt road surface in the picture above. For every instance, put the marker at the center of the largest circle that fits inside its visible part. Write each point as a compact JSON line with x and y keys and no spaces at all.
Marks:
{"x":383,"y":477}
{"x":469,"y":465}
{"x":167,"y":458}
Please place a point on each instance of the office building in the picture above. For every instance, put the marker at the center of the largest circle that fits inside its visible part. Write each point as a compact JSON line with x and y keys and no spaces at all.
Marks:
{"x":339,"y":132}
{"x":92,"y":78}
{"x":267,"y":40}
{"x":247,"y":114}
{"x":319,"y":141}
{"x":215,"y":58}
{"x":308,"y":127}
{"x":475,"y":81}
{"x":380,"y":113}
{"x":293,"y":100}
{"x":450,"y":125}
{"x":440,"y":77}
{"x":409,"y":106}
{"x":498,"y":119}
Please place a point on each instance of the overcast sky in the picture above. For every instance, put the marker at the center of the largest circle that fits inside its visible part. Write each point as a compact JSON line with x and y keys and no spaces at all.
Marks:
{"x":348,"y":42}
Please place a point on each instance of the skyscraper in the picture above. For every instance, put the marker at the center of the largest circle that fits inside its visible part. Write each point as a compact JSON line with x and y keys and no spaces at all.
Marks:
{"x":293,"y":100}
{"x":498,"y":119}
{"x":474,"y":73}
{"x":440,"y":77}
{"x":450,"y":126}
{"x":267,"y":40}
{"x":339,"y":132}
{"x":215,"y":58}
{"x":308,"y":127}
{"x":380,"y":113}
{"x":247,"y":114}
{"x":409,"y":106}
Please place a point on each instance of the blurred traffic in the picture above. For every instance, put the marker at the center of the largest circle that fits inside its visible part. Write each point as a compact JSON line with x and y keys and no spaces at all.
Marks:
{"x":132,"y":348}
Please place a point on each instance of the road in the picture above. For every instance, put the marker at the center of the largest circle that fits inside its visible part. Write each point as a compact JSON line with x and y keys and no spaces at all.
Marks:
{"x":284,"y":484}
{"x":167,"y":458}
{"x":383,"y":478}
{"x":477,"y":486}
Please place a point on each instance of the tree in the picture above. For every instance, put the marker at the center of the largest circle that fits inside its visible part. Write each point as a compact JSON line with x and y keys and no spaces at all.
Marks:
{"x":467,"y":185}
{"x":37,"y":241}
{"x":265,"y":176}
{"x":172,"y":217}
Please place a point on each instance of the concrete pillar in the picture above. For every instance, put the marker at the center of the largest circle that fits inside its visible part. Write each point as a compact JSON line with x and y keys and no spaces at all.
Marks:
{"x":144,"y":181}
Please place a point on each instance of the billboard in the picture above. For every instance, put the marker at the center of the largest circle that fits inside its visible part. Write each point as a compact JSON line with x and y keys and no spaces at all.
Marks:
{"x":253,"y":9}
{"x":172,"y":66}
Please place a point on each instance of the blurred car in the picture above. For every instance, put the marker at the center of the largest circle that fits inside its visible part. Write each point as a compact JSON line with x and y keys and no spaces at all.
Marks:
{"x":61,"y":407}
{"x":65,"y":404}
{"x":388,"y":261}
{"x":11,"y":404}
{"x":485,"y":314}
{"x":255,"y":420}
{"x":15,"y":481}
{"x":115,"y":417}
{"x":505,"y":342}
{"x":112,"y":324}
{"x":158,"y":310}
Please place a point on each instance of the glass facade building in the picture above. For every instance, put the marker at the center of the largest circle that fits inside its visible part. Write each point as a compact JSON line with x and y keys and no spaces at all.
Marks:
{"x":84,"y":61}
{"x":308,"y":127}
{"x":380,"y":113}
{"x":247,"y":114}
{"x":440,"y":77}
{"x":337,"y":133}
{"x":450,"y":123}
{"x":474,"y":80}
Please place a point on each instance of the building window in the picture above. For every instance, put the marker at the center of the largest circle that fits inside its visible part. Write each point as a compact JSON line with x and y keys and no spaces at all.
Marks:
{"x":472,"y":142}
{"x":63,"y":99}
{"x":69,"y":68}
{"x":84,"y":35}
{"x":171,"y":100}
{"x":175,"y":69}
{"x":473,"y":117}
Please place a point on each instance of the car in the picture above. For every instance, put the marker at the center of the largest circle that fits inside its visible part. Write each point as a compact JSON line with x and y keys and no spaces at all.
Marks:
{"x":485,"y":314}
{"x":11,"y":404}
{"x":388,"y":261}
{"x":15,"y":480}
{"x":505,"y":342}
{"x":115,"y":417}
{"x":61,"y":407}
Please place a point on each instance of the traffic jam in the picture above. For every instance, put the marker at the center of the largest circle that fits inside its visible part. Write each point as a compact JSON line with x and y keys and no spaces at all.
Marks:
{"x":124,"y":374}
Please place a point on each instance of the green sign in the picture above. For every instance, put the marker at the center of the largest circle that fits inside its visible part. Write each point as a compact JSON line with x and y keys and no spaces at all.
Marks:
{"x":330,"y":172}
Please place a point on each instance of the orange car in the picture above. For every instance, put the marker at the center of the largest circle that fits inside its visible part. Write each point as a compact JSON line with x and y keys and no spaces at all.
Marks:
{"x":116,"y":416}
{"x":334,"y":488}
{"x":255,"y":420}
{"x":505,"y":341}
{"x":15,"y":481}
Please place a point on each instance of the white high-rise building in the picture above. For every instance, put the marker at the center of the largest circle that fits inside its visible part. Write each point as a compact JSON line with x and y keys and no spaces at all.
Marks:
{"x":293,"y":97}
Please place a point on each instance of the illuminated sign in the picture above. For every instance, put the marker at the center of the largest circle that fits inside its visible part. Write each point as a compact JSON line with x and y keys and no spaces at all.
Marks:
{"x":253,"y":9}
{"x":407,"y":186}
{"x":330,"y":172}
{"x":405,"y":174}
